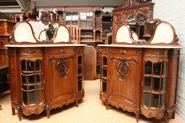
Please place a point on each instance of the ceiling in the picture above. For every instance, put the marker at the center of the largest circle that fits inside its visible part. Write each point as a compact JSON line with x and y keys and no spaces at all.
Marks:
{"x":79,"y":2}
{"x":51,"y":3}
{"x":8,"y":2}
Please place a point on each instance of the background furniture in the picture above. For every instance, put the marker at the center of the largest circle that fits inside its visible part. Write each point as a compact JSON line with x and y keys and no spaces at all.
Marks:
{"x":44,"y":74}
{"x":142,"y":76}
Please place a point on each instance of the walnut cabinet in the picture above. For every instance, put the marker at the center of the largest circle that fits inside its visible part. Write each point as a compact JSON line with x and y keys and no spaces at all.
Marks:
{"x":45,"y":77}
{"x":140,"y":79}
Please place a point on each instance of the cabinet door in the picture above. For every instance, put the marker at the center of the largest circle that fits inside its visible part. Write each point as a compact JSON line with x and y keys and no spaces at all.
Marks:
{"x":154,"y":84}
{"x":61,"y":77}
{"x":123,"y":80}
{"x":31,"y":72}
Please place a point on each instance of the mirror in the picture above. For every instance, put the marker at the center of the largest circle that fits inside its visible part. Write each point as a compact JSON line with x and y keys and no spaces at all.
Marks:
{"x":141,"y":30}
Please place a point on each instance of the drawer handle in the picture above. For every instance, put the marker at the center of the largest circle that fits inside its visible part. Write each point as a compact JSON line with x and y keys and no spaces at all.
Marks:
{"x":158,"y":53}
{"x":123,"y":51}
{"x":62,"y":51}
{"x":30,"y":51}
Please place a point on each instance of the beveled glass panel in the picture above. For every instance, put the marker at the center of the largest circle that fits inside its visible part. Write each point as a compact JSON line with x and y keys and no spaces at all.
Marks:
{"x":23,"y":65}
{"x":164,"y":68}
{"x":30,"y":79}
{"x":38,"y":65}
{"x":31,"y":96}
{"x":38,"y":78}
{"x":147,"y":99}
{"x":25,"y":98}
{"x":104,"y":72}
{"x":155,"y":100}
{"x":157,"y":68}
{"x":163,"y":84}
{"x":104,"y":60}
{"x":31,"y":87}
{"x":38,"y":96}
{"x":104,"y":87}
{"x":148,"y":67}
{"x":79,"y":59}
{"x":156,"y":84}
{"x":23,"y":79}
{"x":30,"y":66}
{"x":39,"y":86}
{"x":162,"y":100}
{"x":147,"y":83}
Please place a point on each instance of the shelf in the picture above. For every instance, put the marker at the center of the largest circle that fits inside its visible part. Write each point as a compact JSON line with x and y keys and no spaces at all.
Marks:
{"x":86,"y":36}
{"x":154,"y":92}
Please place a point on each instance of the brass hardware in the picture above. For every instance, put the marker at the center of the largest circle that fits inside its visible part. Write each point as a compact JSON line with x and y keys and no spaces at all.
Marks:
{"x":62,"y":51}
{"x":123,"y":51}
{"x":158,"y":53}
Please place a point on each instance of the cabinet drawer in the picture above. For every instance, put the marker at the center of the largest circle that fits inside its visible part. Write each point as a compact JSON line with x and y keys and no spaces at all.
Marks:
{"x":103,"y":50}
{"x":30,"y":51}
{"x":3,"y":42}
{"x":80,"y":50}
{"x":63,"y":50}
{"x":156,"y":52}
{"x":124,"y":51}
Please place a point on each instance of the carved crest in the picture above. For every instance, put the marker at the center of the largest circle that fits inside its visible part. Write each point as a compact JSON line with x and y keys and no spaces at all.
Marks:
{"x":122,"y":68}
{"x":45,"y":18}
{"x":62,"y":67}
{"x":141,"y":18}
{"x":130,"y":3}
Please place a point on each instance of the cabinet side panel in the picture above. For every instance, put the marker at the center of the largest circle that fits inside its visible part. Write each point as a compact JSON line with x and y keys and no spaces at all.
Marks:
{"x":14,"y":77}
{"x":173,"y":77}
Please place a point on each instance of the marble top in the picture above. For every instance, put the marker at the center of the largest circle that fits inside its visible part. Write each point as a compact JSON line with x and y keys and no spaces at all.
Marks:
{"x":45,"y":45}
{"x":142,"y":46}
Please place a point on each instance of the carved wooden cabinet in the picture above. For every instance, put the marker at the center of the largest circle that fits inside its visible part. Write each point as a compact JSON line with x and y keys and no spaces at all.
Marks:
{"x":45,"y":78}
{"x":141,"y":76}
{"x":140,"y":80}
{"x":44,"y":73}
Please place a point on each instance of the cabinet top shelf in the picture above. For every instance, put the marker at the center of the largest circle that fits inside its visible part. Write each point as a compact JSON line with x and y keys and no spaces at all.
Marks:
{"x":44,"y":45}
{"x":142,"y":46}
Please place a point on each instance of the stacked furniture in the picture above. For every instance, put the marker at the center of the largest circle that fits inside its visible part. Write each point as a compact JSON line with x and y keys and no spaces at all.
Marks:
{"x":141,"y":75}
{"x":45,"y":68}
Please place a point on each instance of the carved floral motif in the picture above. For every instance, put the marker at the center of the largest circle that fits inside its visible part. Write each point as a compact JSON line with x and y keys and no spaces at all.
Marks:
{"x":122,"y":68}
{"x":62,"y":66}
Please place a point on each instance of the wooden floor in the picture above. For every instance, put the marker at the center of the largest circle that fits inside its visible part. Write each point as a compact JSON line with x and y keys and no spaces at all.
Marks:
{"x":90,"y":110}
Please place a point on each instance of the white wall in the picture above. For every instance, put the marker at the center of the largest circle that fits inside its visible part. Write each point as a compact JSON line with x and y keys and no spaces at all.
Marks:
{"x":173,"y":11}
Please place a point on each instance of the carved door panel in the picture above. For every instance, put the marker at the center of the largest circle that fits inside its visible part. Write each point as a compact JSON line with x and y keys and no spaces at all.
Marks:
{"x":62,"y":79}
{"x":123,"y":75}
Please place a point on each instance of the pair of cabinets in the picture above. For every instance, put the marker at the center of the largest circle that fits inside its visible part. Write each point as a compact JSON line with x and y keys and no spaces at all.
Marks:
{"x":140,"y":80}
{"x":45,"y":78}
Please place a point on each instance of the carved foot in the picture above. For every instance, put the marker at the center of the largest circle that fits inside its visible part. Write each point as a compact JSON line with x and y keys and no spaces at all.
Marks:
{"x":47,"y":111}
{"x":138,"y":114}
{"x":13,"y":111}
{"x":76,"y":103}
{"x":173,"y":115}
{"x":107,"y":105}
{"x":19,"y":112}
